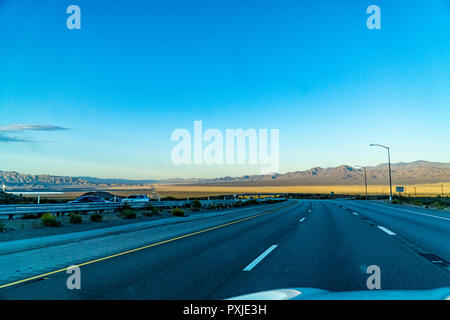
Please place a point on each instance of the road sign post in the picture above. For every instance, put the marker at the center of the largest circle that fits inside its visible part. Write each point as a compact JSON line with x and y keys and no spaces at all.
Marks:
{"x":400,"y":190}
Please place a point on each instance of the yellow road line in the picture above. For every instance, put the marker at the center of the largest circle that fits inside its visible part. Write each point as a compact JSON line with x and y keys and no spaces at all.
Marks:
{"x":142,"y":248}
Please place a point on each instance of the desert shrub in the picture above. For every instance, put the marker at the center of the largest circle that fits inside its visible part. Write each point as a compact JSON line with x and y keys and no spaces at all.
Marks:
{"x":96,"y":217}
{"x":250,"y":202}
{"x":178,"y":212}
{"x":438,"y":205}
{"x":150,"y":212}
{"x":48,"y":220}
{"x":75,"y":218}
{"x":146,"y":213}
{"x":196,"y":204}
{"x":128,"y":214}
{"x":126,"y":206}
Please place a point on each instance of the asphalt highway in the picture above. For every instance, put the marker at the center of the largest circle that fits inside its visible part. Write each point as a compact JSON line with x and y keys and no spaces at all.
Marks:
{"x":316,"y":244}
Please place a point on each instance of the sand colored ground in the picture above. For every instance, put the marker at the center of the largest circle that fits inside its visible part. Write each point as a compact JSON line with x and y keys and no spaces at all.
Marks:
{"x":193,"y":190}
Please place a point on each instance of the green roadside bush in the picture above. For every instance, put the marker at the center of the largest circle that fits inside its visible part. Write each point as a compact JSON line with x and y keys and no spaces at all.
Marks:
{"x":75,"y":218}
{"x":438,"y":205}
{"x":150,"y":212}
{"x":128,"y":214}
{"x":178,"y":212}
{"x":96,"y":217}
{"x":2,"y":227}
{"x":196,"y":204}
{"x":48,"y":220}
{"x":146,"y":213}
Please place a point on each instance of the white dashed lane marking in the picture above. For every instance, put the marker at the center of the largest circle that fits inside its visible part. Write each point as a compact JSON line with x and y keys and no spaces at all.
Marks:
{"x":389,"y":232}
{"x":259,"y":259}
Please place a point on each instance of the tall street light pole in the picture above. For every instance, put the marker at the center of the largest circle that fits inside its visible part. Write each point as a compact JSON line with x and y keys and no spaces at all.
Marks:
{"x":389,"y":163}
{"x":365,"y":178}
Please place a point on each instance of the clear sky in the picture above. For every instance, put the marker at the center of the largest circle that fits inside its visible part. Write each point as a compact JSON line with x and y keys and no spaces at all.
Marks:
{"x":138,"y":70}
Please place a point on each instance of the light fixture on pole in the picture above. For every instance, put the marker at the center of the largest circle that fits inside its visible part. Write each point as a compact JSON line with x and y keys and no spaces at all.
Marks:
{"x":389,"y":163}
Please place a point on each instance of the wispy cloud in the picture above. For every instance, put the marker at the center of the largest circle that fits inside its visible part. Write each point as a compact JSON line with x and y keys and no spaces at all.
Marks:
{"x":4,"y":138}
{"x":31,"y":127}
{"x":17,"y":128}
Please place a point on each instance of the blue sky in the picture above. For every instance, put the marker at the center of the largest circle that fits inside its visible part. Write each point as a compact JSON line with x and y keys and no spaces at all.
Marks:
{"x":138,"y":70}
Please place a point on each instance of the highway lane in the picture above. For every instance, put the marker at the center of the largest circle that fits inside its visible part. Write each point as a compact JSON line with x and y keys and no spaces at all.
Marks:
{"x":331,"y":250}
{"x":18,"y":261}
{"x":313,"y":244}
{"x":428,"y":229}
{"x":168,"y":263}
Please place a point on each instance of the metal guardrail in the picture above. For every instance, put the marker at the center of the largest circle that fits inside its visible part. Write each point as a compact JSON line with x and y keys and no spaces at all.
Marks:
{"x":11,"y":211}
{"x":36,"y":209}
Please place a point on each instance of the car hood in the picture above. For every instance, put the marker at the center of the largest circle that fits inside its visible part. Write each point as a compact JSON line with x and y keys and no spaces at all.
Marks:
{"x":319,"y":294}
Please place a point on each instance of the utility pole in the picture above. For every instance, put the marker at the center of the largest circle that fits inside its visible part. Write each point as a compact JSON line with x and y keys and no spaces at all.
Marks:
{"x":389,"y":164}
{"x":365,"y":179}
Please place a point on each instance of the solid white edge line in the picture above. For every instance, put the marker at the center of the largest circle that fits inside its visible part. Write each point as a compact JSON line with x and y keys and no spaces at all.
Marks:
{"x":258,"y":260}
{"x":389,"y":232}
{"x":422,"y":214}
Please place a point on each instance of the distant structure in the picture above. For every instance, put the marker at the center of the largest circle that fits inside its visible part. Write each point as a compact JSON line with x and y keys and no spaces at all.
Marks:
{"x":3,"y":187}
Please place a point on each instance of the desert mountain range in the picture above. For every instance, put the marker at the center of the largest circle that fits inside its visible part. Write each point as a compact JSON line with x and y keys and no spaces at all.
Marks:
{"x":417,"y":172}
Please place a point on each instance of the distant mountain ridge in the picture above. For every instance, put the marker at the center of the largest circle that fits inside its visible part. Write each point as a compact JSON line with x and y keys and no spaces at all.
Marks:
{"x":416,"y":172}
{"x":13,"y":178}
{"x":18,"y":179}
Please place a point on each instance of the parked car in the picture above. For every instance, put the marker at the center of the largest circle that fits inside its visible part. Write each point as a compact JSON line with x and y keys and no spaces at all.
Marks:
{"x":88,"y":199}
{"x":136,"y":198}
